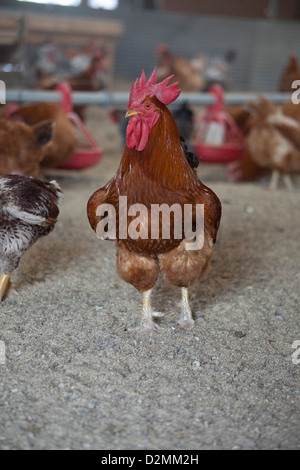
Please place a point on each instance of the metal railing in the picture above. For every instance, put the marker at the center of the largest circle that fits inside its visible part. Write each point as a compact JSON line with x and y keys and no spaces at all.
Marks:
{"x":105,"y":98}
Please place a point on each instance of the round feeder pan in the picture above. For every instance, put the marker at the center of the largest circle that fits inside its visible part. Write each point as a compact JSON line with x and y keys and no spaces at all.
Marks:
{"x":219,"y":154}
{"x":83,"y":158}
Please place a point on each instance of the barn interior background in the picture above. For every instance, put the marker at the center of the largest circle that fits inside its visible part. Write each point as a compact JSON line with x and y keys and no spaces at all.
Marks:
{"x":74,"y":372}
{"x":260,"y":34}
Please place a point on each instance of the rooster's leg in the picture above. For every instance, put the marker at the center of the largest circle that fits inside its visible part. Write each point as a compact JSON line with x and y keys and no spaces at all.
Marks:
{"x":4,"y":283}
{"x":147,"y":322}
{"x":186,"y":317}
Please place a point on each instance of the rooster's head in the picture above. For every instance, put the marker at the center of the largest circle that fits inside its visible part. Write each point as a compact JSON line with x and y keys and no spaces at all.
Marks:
{"x":142,"y":109}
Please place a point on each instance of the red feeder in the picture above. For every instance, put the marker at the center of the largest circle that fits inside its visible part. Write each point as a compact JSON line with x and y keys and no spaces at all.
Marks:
{"x":86,"y":156}
{"x":217,"y":138}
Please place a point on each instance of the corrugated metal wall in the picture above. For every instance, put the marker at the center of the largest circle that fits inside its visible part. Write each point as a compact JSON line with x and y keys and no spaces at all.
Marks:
{"x":262,"y":46}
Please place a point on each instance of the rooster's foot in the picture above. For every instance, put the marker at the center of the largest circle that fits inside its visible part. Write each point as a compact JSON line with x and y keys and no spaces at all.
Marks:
{"x":148,"y":323}
{"x":185,"y":322}
{"x":186,"y":317}
{"x":149,"y":326}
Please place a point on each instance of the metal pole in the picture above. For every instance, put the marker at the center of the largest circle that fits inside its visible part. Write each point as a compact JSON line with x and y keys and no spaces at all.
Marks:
{"x":105,"y":98}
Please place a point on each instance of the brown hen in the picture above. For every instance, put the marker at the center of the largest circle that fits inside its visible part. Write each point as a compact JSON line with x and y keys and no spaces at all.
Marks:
{"x":64,"y":141}
{"x":274,"y":140}
{"x":23,"y":147}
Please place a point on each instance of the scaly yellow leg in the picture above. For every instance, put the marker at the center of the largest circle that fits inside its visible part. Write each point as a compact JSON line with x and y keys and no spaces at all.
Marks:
{"x":147,"y":322}
{"x":186,"y":317}
{"x":4,"y":283}
{"x":148,"y":314}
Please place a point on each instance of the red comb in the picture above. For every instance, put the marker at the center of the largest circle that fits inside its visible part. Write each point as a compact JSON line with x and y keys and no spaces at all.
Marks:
{"x":165,"y":94}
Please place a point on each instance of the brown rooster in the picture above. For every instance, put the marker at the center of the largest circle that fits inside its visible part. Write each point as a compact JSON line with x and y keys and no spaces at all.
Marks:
{"x":154,"y":171}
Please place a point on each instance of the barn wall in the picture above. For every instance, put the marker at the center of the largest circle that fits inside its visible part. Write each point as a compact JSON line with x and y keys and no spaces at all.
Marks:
{"x":262,"y":46}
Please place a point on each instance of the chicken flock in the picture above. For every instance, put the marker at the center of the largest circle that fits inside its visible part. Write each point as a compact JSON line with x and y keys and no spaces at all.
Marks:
{"x":157,"y":169}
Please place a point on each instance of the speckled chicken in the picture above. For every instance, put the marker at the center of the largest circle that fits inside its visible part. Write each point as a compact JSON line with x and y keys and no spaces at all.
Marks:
{"x":28,"y":211}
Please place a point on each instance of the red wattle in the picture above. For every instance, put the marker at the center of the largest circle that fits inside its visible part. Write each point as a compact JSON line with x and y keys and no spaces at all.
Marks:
{"x":137,"y":134}
{"x":138,"y":131}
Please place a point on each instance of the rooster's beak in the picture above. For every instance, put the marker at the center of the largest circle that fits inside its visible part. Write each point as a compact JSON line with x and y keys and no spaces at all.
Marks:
{"x":132,"y":112}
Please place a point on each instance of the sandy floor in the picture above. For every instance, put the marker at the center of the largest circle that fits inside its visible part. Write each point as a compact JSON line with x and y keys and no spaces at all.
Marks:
{"x":77,"y":376}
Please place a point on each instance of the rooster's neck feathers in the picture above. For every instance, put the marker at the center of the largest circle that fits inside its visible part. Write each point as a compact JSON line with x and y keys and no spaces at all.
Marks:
{"x":163,"y":158}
